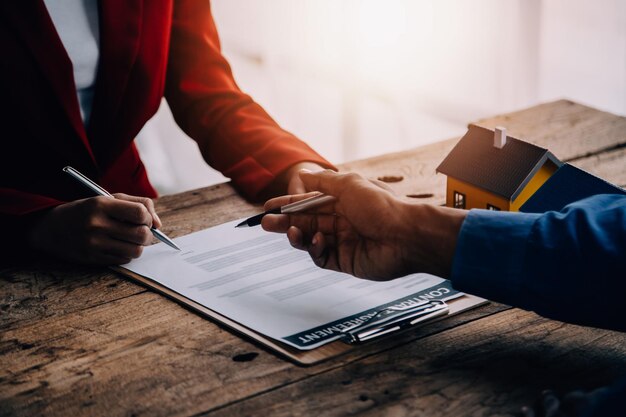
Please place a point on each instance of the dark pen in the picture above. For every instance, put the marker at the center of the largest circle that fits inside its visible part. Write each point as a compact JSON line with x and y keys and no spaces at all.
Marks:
{"x":101,"y":191}
{"x":298,"y":206}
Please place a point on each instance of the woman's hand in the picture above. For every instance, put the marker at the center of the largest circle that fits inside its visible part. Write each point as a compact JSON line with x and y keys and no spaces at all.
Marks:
{"x":289,"y":181}
{"x":98,"y":230}
{"x":295,"y":185}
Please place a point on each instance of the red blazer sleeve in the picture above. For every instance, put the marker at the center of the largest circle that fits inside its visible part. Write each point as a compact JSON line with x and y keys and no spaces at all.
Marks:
{"x":235,"y":135}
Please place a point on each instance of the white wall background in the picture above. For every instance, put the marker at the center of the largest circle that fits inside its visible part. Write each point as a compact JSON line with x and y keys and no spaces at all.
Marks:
{"x":357,"y":78}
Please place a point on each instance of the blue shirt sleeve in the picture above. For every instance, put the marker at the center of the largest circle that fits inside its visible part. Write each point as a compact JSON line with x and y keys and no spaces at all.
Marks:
{"x":567,"y":265}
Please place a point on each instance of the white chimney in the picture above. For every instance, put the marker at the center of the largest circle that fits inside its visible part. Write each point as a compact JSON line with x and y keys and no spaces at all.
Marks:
{"x":499,"y":137}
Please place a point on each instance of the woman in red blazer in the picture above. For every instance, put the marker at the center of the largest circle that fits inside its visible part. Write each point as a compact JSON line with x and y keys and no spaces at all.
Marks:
{"x":147,"y":50}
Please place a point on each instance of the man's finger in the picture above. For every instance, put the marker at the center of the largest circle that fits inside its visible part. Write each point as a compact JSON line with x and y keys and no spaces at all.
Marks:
{"x":277,"y":223}
{"x":309,"y":224}
{"x":286,"y":199}
{"x":295,"y":238}
{"x":323,"y":253}
{"x":320,"y":249}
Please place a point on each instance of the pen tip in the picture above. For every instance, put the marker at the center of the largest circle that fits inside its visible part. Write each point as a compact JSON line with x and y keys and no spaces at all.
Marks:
{"x":242,"y":224}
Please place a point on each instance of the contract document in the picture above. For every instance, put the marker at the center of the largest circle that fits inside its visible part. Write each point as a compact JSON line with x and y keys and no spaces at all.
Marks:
{"x":257,"y":279}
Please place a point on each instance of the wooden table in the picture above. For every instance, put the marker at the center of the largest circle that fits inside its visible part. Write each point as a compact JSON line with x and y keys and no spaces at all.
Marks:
{"x":85,"y":341}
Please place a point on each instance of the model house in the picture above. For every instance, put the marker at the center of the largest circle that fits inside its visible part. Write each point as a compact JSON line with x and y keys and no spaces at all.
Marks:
{"x":489,"y":170}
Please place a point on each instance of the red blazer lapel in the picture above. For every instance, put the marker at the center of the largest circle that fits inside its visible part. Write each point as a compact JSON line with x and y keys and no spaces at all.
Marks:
{"x":120,"y":35}
{"x":35,"y":27}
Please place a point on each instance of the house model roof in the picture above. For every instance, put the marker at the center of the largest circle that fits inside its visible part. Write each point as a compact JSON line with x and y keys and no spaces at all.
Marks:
{"x":502,"y":171}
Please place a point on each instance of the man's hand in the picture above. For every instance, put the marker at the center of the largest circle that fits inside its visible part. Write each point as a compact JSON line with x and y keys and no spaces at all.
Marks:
{"x":98,"y":230}
{"x":368,"y":232}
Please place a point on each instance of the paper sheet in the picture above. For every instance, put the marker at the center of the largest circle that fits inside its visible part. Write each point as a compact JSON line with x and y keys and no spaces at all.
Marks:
{"x":257,"y":279}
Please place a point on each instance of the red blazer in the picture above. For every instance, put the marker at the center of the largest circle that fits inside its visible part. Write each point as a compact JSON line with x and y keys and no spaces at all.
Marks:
{"x":149,"y":49}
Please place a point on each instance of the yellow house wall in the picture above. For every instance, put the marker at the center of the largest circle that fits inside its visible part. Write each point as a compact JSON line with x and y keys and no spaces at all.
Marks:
{"x":534,"y":184}
{"x":474,"y":197}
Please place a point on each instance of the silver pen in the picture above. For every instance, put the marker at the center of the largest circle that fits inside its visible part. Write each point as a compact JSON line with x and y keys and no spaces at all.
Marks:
{"x":101,"y":191}
{"x":297,"y":207}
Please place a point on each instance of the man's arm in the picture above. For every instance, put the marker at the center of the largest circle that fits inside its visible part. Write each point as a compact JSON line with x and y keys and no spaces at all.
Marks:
{"x":567,"y":266}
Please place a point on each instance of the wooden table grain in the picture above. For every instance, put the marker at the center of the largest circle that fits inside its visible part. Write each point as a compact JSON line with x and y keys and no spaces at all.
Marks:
{"x":86,"y":341}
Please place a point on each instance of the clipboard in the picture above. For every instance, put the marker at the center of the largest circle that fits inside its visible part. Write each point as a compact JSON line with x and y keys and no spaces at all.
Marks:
{"x":300,"y":357}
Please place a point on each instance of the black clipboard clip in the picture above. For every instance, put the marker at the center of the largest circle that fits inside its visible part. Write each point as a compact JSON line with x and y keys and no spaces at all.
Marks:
{"x":393,"y":319}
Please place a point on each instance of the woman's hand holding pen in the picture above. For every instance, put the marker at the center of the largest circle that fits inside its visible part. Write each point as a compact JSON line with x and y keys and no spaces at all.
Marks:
{"x":97,"y":230}
{"x":368,"y":232}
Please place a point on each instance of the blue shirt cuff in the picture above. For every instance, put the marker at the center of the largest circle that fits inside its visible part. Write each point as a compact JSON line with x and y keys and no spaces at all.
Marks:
{"x":490,"y":252}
